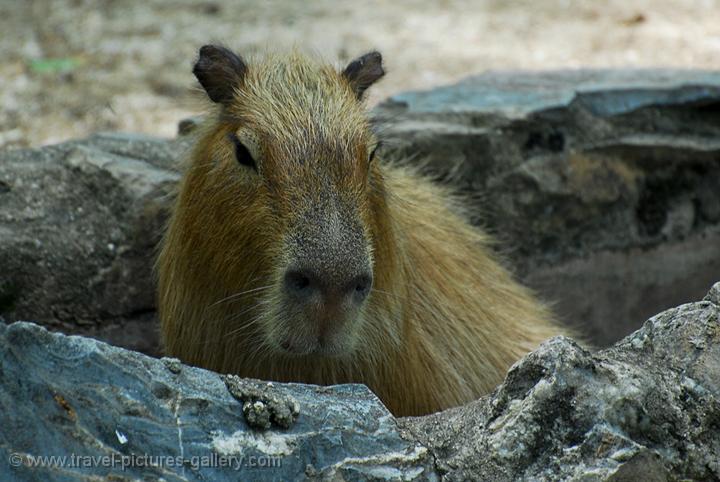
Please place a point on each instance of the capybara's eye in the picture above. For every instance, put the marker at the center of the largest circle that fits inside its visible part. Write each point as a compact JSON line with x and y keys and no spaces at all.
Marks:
{"x":242,"y":154}
{"x":372,"y":153}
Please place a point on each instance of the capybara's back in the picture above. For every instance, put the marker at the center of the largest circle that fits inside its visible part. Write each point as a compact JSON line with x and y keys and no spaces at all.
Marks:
{"x":294,"y":255}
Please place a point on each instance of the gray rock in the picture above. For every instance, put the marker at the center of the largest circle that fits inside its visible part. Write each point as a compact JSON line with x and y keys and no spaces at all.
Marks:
{"x":68,"y":395}
{"x":79,"y":223}
{"x":647,"y":408}
{"x":603,"y":185}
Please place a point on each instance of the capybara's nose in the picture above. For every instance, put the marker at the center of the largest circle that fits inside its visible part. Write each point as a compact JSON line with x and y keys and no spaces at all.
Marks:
{"x":307,"y":285}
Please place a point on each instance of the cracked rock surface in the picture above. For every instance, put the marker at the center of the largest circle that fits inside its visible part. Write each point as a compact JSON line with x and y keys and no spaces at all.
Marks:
{"x":647,"y":408}
{"x":64,"y":395}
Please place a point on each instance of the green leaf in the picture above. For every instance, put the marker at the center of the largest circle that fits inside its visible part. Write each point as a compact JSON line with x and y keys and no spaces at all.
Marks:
{"x":51,"y":66}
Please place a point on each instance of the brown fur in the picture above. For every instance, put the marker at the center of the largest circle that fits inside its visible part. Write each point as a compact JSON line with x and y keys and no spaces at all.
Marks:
{"x":443,"y":321}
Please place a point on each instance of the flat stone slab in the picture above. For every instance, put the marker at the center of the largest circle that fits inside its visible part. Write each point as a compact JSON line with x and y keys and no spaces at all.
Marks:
{"x":604,"y":92}
{"x":65,"y":396}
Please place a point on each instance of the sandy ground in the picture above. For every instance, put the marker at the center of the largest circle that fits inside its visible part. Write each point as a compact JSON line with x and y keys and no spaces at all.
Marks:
{"x":72,"y":67}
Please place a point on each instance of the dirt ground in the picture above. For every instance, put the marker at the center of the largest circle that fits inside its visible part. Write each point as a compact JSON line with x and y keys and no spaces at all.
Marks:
{"x":72,"y":67}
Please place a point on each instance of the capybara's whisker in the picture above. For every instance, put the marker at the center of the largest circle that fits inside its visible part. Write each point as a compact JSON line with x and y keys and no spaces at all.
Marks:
{"x":242,"y":293}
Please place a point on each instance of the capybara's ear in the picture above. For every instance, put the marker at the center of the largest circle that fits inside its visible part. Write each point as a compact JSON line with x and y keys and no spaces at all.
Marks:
{"x":364,"y":71}
{"x":219,"y":71}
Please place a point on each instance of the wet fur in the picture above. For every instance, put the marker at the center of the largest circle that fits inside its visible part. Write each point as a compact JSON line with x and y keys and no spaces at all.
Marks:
{"x":443,"y":322}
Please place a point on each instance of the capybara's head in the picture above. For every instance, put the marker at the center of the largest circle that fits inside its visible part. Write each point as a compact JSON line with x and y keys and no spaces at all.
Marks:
{"x":282,"y":210}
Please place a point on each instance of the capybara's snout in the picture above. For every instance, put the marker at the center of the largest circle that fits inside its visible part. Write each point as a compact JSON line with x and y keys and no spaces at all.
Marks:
{"x":315,"y":287}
